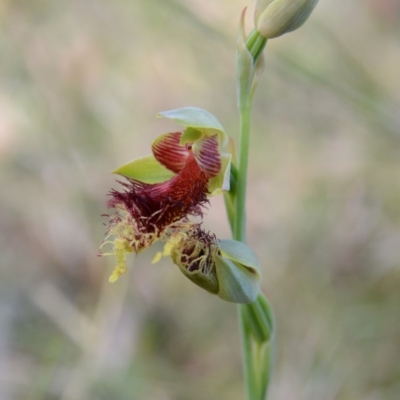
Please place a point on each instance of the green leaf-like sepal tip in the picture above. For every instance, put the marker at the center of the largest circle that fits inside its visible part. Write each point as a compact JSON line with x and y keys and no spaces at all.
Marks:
{"x":145,"y":169}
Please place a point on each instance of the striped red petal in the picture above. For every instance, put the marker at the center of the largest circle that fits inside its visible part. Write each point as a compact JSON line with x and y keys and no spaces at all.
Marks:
{"x":206,"y":153}
{"x":169,"y":152}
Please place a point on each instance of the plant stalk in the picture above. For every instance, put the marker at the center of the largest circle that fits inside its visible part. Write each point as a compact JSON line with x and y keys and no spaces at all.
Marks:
{"x":256,"y":319}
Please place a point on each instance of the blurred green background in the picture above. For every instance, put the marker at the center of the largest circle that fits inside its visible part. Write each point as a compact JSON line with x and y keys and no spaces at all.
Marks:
{"x":80,"y":84}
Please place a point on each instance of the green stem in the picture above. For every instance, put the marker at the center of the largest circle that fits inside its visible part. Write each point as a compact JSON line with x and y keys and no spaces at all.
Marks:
{"x":249,"y":372}
{"x":251,"y":39}
{"x":263,"y":325}
{"x":256,"y":328}
{"x":255,"y":43}
{"x":239,"y":234}
{"x":240,"y":205}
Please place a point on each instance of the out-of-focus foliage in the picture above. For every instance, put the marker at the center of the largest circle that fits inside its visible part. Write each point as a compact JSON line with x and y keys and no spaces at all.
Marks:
{"x":80,"y":84}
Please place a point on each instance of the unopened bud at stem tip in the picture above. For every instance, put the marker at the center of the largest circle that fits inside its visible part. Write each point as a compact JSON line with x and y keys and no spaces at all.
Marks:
{"x":274,"y":18}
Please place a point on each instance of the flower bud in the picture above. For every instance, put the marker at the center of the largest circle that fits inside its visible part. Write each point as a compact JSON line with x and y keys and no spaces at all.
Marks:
{"x":274,"y":18}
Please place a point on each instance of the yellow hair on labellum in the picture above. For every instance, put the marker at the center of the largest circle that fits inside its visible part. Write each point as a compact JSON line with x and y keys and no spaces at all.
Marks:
{"x":118,"y":271}
{"x":121,"y":249}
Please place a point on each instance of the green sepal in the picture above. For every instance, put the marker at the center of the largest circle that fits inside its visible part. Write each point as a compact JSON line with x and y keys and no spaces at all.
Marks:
{"x":145,"y":169}
{"x":199,"y":119}
{"x":221,"y":182}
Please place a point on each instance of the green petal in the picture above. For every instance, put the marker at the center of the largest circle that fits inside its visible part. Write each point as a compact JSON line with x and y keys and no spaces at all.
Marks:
{"x":236,"y":282}
{"x":197,"y":118}
{"x":240,"y":253}
{"x":221,"y":182}
{"x":145,"y":169}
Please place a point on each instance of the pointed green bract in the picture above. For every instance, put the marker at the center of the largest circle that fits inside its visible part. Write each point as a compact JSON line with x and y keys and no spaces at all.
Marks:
{"x":199,"y":119}
{"x":244,"y":67}
{"x":145,"y":169}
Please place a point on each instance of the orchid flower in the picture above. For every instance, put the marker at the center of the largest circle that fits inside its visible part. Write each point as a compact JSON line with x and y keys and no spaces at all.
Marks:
{"x":168,"y":187}
{"x":165,"y":188}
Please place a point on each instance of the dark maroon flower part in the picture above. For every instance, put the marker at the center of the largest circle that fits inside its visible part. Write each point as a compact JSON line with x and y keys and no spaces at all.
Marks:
{"x":153,"y":207}
{"x":146,"y":211}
